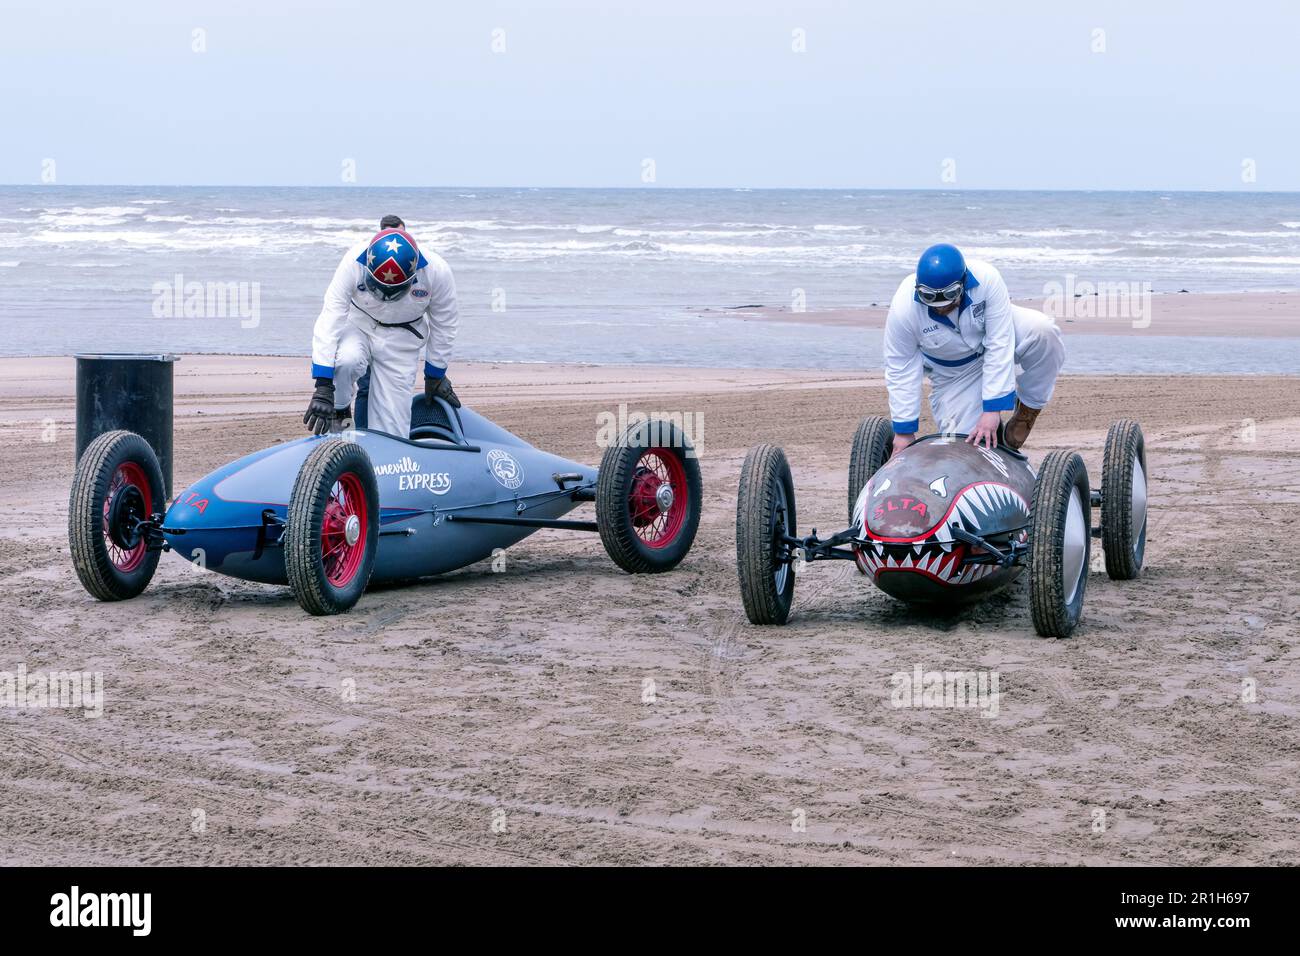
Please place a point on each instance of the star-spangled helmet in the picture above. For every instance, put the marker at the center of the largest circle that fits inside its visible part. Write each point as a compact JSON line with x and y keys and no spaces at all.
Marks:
{"x":391,"y":260}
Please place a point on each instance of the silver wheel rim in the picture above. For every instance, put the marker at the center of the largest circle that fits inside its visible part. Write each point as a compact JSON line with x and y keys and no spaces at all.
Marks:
{"x":782,"y":573}
{"x":1074,"y":547}
{"x":1139,"y":502}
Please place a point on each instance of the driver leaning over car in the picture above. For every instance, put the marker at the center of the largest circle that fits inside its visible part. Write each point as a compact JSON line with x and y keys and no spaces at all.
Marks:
{"x":387,"y":304}
{"x":954,"y":322}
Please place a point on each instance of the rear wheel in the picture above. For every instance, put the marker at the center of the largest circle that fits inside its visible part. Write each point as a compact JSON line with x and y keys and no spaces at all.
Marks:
{"x":1060,"y":541}
{"x":765,"y":513}
{"x":648,"y":494}
{"x":872,"y":445}
{"x":117,"y":485}
{"x":1124,"y":500}
{"x":332,"y":531}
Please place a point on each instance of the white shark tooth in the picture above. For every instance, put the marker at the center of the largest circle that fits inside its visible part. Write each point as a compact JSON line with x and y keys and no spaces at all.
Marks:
{"x":916,"y":548}
{"x":906,"y":562}
{"x":943,"y":534}
{"x":967,"y":512}
{"x":986,"y":497}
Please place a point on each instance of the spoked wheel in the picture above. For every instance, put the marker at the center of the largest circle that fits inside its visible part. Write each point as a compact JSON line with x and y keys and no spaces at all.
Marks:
{"x":765,"y":513}
{"x":648,"y":493}
{"x":332,"y":531}
{"x":1124,"y":500}
{"x":1060,"y":542}
{"x":117,"y":485}
{"x":872,"y":445}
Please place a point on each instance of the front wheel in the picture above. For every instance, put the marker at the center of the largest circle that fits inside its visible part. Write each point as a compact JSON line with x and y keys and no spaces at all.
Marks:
{"x":1124,"y":500}
{"x":1060,"y":540}
{"x":648,"y":493}
{"x":118,"y":485}
{"x":332,"y":530}
{"x":765,"y":514}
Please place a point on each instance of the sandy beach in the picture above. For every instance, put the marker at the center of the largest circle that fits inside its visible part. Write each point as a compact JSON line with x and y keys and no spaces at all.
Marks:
{"x":499,"y":717}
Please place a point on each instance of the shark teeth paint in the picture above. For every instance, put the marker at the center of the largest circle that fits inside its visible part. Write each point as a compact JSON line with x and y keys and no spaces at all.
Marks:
{"x":982,"y":508}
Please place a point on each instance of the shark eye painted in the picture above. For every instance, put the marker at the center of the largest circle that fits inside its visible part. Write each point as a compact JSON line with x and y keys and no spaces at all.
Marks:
{"x":939,"y":486}
{"x":881,"y":489}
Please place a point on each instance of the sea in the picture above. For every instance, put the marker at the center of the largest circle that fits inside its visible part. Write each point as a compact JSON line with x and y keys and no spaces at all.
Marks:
{"x":620,"y":276}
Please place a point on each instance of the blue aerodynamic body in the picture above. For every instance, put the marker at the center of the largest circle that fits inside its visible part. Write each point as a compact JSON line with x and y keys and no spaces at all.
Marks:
{"x":434,"y":490}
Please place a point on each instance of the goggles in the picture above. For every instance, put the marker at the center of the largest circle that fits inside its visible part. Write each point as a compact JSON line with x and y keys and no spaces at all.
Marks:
{"x":944,"y":296}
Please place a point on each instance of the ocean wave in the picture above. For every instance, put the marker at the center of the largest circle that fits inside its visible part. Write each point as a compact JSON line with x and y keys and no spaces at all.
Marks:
{"x":1058,"y":233}
{"x":116,"y":212}
{"x":151,"y":202}
{"x":77,"y":219}
{"x":9,"y":264}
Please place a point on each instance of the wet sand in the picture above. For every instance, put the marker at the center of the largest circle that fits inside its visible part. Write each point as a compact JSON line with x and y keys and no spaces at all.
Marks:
{"x":1250,"y":314}
{"x":501,"y":718}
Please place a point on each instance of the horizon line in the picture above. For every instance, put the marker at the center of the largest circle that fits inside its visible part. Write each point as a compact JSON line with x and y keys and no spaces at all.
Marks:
{"x":658,"y":188}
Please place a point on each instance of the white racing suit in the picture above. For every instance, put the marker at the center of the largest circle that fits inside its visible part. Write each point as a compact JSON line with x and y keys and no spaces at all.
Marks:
{"x":357,"y":330}
{"x":970,"y":355}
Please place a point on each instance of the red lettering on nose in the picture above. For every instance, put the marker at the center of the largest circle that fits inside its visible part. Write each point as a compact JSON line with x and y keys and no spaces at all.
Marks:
{"x":919,"y":508}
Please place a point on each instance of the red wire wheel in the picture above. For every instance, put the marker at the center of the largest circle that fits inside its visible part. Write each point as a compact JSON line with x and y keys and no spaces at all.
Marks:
{"x":659,"y":499}
{"x":343,"y":530}
{"x":129,"y":499}
{"x":332,"y":527}
{"x":115,"y":488}
{"x":648,"y":495}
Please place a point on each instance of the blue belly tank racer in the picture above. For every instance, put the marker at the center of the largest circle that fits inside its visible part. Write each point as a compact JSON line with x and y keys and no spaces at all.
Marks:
{"x":329,"y":514}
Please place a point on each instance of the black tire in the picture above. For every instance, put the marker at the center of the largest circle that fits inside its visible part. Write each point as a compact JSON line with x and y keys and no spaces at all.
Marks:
{"x":639,"y":533}
{"x":1124,"y":513}
{"x":1062,"y":489}
{"x":872,"y":445}
{"x":340,"y":470}
{"x":117,"y":482}
{"x":765,"y":509}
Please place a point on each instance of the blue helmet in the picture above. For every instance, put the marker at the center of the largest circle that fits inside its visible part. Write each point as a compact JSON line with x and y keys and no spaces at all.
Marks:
{"x":391,"y":261}
{"x":940,"y":275}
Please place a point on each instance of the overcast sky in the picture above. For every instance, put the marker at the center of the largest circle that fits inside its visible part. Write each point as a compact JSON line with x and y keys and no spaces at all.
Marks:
{"x":1017,"y":94}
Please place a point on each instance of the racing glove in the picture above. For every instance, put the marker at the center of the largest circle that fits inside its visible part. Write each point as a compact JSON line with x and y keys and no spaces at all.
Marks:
{"x":440,"y":388}
{"x":320,"y":413}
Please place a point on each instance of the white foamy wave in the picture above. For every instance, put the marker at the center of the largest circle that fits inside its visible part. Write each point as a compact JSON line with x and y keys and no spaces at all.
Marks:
{"x":1060,"y":233}
{"x":76,"y":219}
{"x":150,"y":202}
{"x":9,"y":264}
{"x":116,"y":212}
{"x":1290,"y":225}
{"x":1040,"y":253}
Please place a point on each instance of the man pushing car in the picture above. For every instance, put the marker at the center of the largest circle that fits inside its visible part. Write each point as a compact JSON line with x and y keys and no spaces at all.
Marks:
{"x":953,"y":321}
{"x":387,"y":304}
